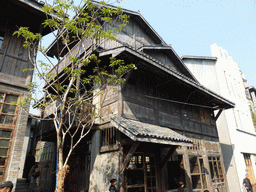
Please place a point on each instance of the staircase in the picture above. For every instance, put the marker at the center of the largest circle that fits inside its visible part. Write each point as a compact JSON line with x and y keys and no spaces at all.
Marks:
{"x":21,"y":185}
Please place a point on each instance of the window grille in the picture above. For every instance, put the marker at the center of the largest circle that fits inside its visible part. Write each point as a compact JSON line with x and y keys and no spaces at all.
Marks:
{"x":197,"y":145}
{"x":109,"y":136}
{"x":216,"y":170}
{"x":198,"y":173}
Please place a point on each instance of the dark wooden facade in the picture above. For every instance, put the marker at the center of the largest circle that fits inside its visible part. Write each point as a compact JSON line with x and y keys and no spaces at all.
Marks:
{"x":152,"y":95}
{"x":161,"y":94}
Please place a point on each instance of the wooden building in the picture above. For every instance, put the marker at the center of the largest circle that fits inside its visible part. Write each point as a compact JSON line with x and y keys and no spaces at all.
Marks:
{"x":14,"y":133}
{"x":160,"y":128}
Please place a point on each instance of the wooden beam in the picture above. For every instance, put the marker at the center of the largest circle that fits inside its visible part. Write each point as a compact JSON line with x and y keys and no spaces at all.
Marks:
{"x":129,"y":156}
{"x":168,"y":156}
{"x":218,"y":114}
{"x":127,"y":76}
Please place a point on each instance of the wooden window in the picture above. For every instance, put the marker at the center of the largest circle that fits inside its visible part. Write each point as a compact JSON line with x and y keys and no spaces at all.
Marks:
{"x":205,"y":116}
{"x":8,"y":115}
{"x":198,"y":173}
{"x":109,"y":136}
{"x":1,"y":38}
{"x":109,"y":142}
{"x":216,"y":170}
{"x":5,"y":141}
{"x":8,"y":112}
{"x":197,"y":145}
{"x":192,"y":113}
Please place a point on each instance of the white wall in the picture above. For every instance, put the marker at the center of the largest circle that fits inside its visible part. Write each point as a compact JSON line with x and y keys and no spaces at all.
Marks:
{"x":235,"y":126}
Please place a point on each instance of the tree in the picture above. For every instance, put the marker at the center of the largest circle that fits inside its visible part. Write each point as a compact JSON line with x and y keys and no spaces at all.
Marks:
{"x":253,"y":117}
{"x":72,"y":86}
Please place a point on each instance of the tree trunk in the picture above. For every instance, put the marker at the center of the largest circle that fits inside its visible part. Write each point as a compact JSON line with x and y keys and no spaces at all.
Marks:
{"x":61,"y":178}
{"x":62,"y":170}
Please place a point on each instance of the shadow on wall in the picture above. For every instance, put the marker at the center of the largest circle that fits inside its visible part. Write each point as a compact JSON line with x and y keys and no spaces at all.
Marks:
{"x":105,"y":168}
{"x":227,"y":152}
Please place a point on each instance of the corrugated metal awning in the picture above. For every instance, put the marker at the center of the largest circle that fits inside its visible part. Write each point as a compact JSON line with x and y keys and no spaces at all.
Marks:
{"x":146,"y":132}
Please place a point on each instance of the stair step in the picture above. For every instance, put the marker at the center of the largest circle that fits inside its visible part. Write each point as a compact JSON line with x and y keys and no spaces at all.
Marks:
{"x":21,"y":185}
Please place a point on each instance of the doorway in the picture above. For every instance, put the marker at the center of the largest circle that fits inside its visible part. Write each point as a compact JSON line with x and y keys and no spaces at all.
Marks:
{"x":140,"y":175}
{"x":250,"y":171}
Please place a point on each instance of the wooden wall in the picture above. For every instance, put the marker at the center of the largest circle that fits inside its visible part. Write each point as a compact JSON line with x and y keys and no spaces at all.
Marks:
{"x":163,"y":58}
{"x":135,"y":104}
{"x":14,"y":57}
{"x":134,"y":36}
{"x":166,"y":114}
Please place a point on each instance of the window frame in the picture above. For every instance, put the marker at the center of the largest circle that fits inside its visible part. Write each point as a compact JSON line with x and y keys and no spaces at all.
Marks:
{"x":217,"y":177}
{"x":200,"y":173}
{"x":8,"y":150}
{"x":9,"y":128}
{"x":109,"y":140}
{"x":15,"y":115}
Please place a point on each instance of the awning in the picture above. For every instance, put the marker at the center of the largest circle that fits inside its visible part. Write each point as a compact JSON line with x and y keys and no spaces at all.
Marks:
{"x":145,"y":132}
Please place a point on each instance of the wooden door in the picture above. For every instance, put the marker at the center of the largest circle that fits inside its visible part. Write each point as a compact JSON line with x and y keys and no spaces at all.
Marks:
{"x":249,"y":168}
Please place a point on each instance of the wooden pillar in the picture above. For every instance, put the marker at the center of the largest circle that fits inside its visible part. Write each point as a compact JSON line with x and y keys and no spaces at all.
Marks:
{"x":124,"y":161}
{"x":168,"y":156}
{"x":207,"y":167}
{"x":187,"y":169}
{"x":159,"y":171}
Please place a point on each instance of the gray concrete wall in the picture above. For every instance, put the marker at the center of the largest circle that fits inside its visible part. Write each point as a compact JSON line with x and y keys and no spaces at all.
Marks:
{"x":104,"y":166}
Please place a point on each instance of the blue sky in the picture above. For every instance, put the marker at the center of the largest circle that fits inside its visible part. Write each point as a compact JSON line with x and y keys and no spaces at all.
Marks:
{"x":191,"y":26}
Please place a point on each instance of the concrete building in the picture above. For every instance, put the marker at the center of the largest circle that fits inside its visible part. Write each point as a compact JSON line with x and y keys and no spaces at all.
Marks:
{"x":235,"y":127}
{"x":250,"y":93}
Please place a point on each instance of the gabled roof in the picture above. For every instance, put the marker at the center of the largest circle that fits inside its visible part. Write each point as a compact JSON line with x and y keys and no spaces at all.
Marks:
{"x":145,"y":132}
{"x":31,"y":4}
{"x":25,"y":13}
{"x":177,"y":60}
{"x":217,"y":99}
{"x":136,"y":15}
{"x":142,"y":21}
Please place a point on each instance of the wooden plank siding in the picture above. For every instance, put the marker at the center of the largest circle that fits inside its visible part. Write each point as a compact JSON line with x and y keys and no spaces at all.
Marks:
{"x":167,"y":114}
{"x":156,"y":114}
{"x":134,"y":36}
{"x":163,"y":58}
{"x":14,"y":58}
